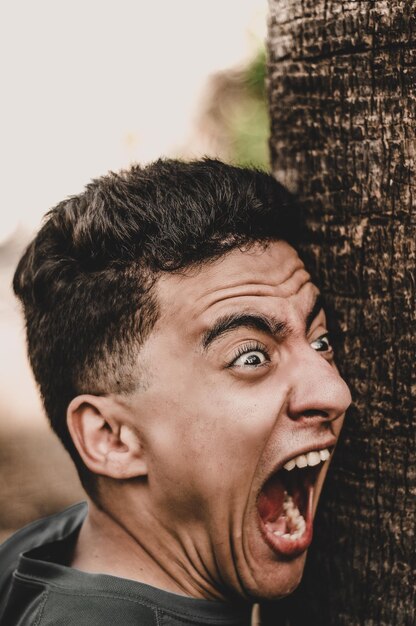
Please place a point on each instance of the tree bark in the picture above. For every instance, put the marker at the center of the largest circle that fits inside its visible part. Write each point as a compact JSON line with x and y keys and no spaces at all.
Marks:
{"x":342,"y":89}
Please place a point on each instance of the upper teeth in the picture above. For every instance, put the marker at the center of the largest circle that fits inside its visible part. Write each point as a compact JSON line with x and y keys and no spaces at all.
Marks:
{"x":311,"y":459}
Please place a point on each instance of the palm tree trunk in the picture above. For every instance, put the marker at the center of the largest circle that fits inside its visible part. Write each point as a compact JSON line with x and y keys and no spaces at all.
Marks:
{"x":342,"y":88}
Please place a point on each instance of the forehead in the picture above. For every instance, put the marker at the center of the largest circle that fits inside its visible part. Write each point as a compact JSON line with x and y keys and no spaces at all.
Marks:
{"x":265,"y":278}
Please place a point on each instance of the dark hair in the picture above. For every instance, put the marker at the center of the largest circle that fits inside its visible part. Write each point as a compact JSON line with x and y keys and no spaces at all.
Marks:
{"x":86,"y":279}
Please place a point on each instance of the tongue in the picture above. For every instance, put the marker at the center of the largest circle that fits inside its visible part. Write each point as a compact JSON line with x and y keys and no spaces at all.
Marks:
{"x":270,"y":502}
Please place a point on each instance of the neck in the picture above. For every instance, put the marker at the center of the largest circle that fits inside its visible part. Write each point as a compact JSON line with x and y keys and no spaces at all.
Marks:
{"x":145,"y":551}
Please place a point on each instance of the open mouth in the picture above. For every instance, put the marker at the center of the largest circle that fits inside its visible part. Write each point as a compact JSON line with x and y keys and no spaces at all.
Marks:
{"x":285,"y":503}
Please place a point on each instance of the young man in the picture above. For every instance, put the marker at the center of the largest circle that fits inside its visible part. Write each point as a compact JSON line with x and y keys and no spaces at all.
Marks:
{"x":183,"y":357}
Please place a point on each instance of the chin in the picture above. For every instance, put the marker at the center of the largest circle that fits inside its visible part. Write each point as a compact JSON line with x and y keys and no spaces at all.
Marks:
{"x":277,"y":580}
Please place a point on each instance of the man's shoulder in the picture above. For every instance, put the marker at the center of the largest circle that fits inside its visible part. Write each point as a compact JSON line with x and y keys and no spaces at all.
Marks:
{"x":43,"y":531}
{"x":36,"y":587}
{"x":31,"y":602}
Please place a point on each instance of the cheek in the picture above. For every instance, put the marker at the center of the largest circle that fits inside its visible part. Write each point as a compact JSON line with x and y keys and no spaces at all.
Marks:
{"x":210,"y":444}
{"x":205,"y":430}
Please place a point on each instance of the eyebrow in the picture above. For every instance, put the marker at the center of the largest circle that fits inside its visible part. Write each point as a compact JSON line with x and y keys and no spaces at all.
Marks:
{"x":270,"y":325}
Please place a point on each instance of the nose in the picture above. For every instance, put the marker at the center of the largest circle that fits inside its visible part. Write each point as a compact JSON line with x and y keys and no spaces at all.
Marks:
{"x":317,"y":389}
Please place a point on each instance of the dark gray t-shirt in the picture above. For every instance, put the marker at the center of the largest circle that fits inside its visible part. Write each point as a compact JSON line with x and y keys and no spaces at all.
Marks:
{"x":38,"y":589}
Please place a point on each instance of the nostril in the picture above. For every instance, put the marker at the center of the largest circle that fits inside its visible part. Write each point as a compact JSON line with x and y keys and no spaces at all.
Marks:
{"x":315,"y":413}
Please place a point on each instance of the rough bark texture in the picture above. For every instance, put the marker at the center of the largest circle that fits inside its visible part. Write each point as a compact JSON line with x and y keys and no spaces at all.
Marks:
{"x":342,"y":85}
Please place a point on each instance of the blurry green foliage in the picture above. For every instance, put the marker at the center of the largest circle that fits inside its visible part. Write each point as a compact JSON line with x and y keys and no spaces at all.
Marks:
{"x":255,"y":75}
{"x":249,"y":125}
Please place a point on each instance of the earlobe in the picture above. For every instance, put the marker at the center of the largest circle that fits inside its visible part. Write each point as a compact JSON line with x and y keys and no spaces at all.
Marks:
{"x":106,"y":442}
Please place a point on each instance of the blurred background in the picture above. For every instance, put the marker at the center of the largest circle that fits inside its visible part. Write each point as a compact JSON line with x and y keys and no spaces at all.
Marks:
{"x":89,"y":87}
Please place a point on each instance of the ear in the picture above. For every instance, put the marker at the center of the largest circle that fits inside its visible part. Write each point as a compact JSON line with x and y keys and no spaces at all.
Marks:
{"x":106,"y":442}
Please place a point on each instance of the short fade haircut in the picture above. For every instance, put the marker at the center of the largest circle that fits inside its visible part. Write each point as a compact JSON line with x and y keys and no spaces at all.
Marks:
{"x":86,"y":280}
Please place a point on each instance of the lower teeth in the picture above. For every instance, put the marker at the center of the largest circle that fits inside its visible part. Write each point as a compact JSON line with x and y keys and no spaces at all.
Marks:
{"x":296,"y":518}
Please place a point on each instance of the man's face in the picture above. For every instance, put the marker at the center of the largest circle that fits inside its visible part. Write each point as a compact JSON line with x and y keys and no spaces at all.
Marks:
{"x":241,"y":380}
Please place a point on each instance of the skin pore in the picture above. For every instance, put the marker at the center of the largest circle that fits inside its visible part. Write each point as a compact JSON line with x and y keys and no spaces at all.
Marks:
{"x":240,"y":378}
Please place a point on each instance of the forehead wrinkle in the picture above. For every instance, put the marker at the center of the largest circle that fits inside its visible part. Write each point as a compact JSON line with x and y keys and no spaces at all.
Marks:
{"x":255,"y":289}
{"x":219,"y":288}
{"x":271,"y":324}
{"x":254,"y":284}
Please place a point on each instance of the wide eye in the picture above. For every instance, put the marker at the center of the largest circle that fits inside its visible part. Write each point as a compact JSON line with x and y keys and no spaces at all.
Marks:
{"x":250,"y":358}
{"x":321,"y":344}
